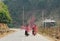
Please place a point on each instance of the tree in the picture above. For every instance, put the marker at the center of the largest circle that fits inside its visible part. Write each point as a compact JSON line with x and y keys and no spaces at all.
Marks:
{"x":4,"y":17}
{"x":16,"y":9}
{"x":4,"y":14}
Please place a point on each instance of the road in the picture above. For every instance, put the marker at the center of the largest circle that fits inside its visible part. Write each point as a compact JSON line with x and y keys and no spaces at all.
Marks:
{"x":19,"y":36}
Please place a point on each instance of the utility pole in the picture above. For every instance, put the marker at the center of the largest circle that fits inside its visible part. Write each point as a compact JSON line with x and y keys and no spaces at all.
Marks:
{"x":23,"y":15}
{"x":42,"y":17}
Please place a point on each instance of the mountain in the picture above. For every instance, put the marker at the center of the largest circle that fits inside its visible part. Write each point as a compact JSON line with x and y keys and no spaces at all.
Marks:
{"x":50,"y":9}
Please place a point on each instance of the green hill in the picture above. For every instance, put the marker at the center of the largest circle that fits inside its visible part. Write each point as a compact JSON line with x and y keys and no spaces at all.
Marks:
{"x":50,"y":8}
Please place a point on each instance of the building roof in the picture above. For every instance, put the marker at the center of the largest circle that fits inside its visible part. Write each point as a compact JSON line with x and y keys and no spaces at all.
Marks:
{"x":49,"y":20}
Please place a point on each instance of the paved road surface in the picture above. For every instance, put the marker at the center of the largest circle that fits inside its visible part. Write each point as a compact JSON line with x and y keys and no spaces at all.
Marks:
{"x":19,"y":36}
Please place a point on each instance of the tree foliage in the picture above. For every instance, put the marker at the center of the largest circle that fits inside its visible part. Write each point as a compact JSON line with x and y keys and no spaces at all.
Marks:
{"x":4,"y":14}
{"x":51,"y":7}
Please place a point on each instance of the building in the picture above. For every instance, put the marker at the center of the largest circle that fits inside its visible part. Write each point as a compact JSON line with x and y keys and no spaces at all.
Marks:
{"x":48,"y":23}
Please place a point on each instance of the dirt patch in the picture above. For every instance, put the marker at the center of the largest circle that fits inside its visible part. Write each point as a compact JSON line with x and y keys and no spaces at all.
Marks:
{"x":6,"y":33}
{"x":52,"y":33}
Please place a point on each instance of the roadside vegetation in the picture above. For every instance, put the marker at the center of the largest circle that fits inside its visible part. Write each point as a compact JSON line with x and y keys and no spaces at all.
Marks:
{"x":52,"y":32}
